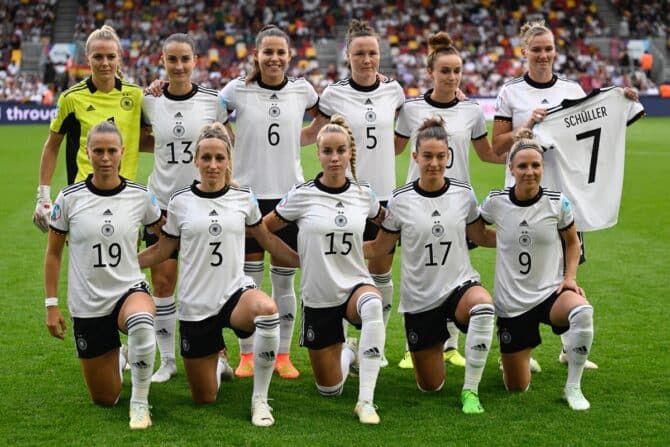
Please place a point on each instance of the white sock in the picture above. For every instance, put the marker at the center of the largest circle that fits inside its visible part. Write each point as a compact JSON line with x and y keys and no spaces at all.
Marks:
{"x":579,"y":339}
{"x":283,"y":293}
{"x":452,"y":341}
{"x":371,"y":344}
{"x":255,"y":270}
{"x":384,"y":282}
{"x":330,"y":391}
{"x":477,"y":344}
{"x":141,"y":353}
{"x":347,"y":357}
{"x":165,"y":326}
{"x":266,"y":343}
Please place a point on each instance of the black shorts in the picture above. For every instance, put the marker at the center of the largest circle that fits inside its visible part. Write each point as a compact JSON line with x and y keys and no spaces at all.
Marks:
{"x":99,"y":335}
{"x":204,"y":337}
{"x":521,"y":332}
{"x":371,"y":229}
{"x":322,"y":327}
{"x":288,"y":234}
{"x":425,"y":329}
{"x":150,"y":238}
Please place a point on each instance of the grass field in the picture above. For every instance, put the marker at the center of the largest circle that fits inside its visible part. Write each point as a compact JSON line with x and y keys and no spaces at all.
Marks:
{"x":44,"y":399}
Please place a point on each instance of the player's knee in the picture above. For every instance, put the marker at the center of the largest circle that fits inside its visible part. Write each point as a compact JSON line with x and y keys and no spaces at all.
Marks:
{"x":107,"y":398}
{"x":204,"y":397}
{"x":370,"y":307}
{"x":162,"y":285}
{"x":330,"y":391}
{"x":266,"y":306}
{"x":429,"y":386}
{"x":516,"y":384}
{"x":581,"y":317}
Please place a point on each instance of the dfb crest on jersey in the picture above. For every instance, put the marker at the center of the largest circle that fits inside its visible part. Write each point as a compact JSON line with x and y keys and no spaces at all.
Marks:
{"x":178,"y":130}
{"x":274,"y":111}
{"x":370,"y":116}
{"x":438,"y":229}
{"x":341,"y":220}
{"x":107,"y":229}
{"x":127,"y":103}
{"x":214,"y":229}
{"x":82,"y":344}
{"x":309,"y":334}
{"x":505,"y":337}
{"x":525,"y":239}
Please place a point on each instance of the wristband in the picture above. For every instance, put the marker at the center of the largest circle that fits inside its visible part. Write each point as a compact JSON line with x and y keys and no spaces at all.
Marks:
{"x":44,"y":191}
{"x":52,"y":301}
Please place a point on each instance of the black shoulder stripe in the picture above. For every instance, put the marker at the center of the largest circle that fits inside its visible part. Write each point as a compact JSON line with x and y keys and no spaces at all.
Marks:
{"x":405,"y":188}
{"x":180,"y":191}
{"x":635,"y":118}
{"x":460,"y":183}
{"x":514,"y":81}
{"x":306,"y":184}
{"x":415,"y":99}
{"x":74,"y":187}
{"x":241,"y":188}
{"x":136,"y":185}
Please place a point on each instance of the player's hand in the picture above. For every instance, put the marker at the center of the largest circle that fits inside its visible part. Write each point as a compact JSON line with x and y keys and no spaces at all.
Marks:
{"x":55,"y":322}
{"x":156,"y":88}
{"x":42,"y":214}
{"x":460,"y":95}
{"x":537,"y":116}
{"x":570,"y":284}
{"x":631,"y":94}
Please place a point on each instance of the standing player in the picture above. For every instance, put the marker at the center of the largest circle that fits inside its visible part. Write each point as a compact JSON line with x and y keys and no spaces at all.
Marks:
{"x":465,"y":125}
{"x":331,"y":212}
{"x":535,"y":282}
{"x":207,"y":222}
{"x":270,"y":107}
{"x":104,"y":96}
{"x":370,"y":107}
{"x":176,"y":117}
{"x":100,"y":217}
{"x":433,"y":214}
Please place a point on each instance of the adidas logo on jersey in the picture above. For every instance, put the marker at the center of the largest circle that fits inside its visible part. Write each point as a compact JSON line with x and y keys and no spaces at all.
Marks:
{"x":274,"y":97}
{"x":479,"y":347}
{"x":523,"y":223}
{"x":339,"y":205}
{"x":368,"y":102}
{"x":267,"y":355}
{"x":141,"y":364}
{"x":213,"y":213}
{"x":436,"y":213}
{"x":372,"y":353}
{"x":544,"y":101}
{"x":90,"y":108}
{"x":178,"y":115}
{"x":107,"y":212}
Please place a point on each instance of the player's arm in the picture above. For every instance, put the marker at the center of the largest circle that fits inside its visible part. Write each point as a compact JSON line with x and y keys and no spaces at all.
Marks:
{"x":52,"y":263}
{"x":147,"y":140}
{"x":159,"y":252}
{"x":572,"y":248}
{"x":486,"y":152}
{"x":308,"y":133}
{"x":503,"y":133}
{"x":274,"y":222}
{"x":277,"y":248}
{"x":381,"y":245}
{"x":478,"y":233}
{"x":47,"y":169}
{"x":231,"y":133}
{"x":399,"y":143}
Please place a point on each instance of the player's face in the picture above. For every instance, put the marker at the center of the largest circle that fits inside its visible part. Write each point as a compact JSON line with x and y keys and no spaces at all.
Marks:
{"x":364,"y":56}
{"x":447,"y":72}
{"x":213,"y":162}
{"x":541,"y":52}
{"x":527,"y":167}
{"x":432,"y":157}
{"x":179,"y":61}
{"x":105,"y":152}
{"x":334,"y":153}
{"x":104,"y":59}
{"x":273,"y":56}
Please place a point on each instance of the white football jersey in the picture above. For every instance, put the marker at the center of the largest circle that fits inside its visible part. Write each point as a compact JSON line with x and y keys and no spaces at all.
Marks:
{"x":529,"y":254}
{"x":211,"y":232}
{"x":330,"y":238}
{"x":103,"y":228}
{"x":464,"y":120}
{"x":176,"y":122}
{"x":267,"y":134}
{"x":370,"y":112}
{"x":435,"y":259}
{"x":519,"y":97}
{"x":587,"y":138}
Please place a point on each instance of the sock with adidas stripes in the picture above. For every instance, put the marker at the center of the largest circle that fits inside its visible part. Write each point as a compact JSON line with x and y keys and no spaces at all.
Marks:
{"x":266,"y":343}
{"x":477,"y":344}
{"x":283,"y":293}
{"x":165,"y":326}
{"x":371,"y":344}
{"x":141,"y":353}
{"x":579,"y":339}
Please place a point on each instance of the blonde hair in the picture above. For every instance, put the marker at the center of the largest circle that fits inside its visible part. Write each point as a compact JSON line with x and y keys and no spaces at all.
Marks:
{"x":106,"y":32}
{"x":218,"y":131}
{"x":532,"y":29}
{"x":439,"y":44}
{"x":266,"y":31}
{"x":524,"y":139}
{"x":432,"y":128}
{"x":359,"y":28}
{"x":338,"y":124}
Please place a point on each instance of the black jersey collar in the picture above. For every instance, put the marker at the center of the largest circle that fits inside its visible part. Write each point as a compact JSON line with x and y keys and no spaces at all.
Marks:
{"x":104,"y":192}
{"x":191,"y":94}
{"x":529,"y":202}
{"x":328,"y":189}
{"x":279,"y":86}
{"x":363,"y":88}
{"x":92,"y":88}
{"x":536,"y":84}
{"x":439,"y":105}
{"x":437,"y":193}
{"x":208,"y":195}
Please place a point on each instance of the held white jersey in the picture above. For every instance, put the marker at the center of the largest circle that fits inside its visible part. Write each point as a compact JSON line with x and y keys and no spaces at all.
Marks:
{"x":267,"y":134}
{"x":529,"y":254}
{"x":211,"y":231}
{"x":102,"y":227}
{"x":465,"y":122}
{"x":519,"y":97}
{"x":330,"y":238}
{"x":587,"y":138}
{"x":435,"y":259}
{"x":370,"y":111}
{"x":176,"y":122}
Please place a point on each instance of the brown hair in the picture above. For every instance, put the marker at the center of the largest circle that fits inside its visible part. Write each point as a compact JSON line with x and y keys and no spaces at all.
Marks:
{"x":359,"y":28}
{"x":266,"y":31}
{"x":439,"y":44}
{"x":532,"y":29}
{"x":219,"y":132}
{"x":338,"y":124}
{"x":524,"y":139}
{"x":179,"y":38}
{"x":106,"y":32}
{"x":432,"y":128}
{"x":103,"y":127}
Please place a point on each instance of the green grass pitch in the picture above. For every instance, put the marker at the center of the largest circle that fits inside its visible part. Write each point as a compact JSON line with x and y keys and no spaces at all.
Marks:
{"x":44,"y":399}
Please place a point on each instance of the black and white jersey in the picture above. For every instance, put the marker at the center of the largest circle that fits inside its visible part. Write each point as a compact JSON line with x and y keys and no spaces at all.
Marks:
{"x":464,"y":120}
{"x":370,"y":111}
{"x":102,"y":228}
{"x":267,"y":133}
{"x":529,"y":254}
{"x":331,"y":222}
{"x":176,"y":122}
{"x":587,"y":140}
{"x":211,"y":228}
{"x":519,"y":97}
{"x":435,"y":259}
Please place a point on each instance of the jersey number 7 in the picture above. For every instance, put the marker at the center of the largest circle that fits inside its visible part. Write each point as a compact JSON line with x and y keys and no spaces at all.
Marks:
{"x":595,"y":134}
